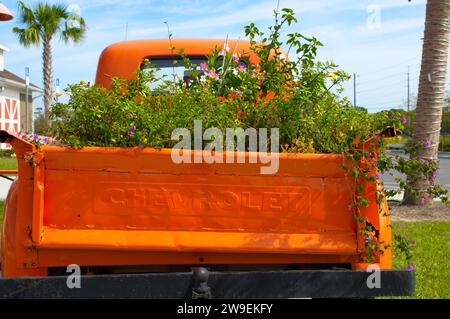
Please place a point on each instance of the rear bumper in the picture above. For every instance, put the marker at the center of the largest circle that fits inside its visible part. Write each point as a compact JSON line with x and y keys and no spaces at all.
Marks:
{"x":231,"y":285}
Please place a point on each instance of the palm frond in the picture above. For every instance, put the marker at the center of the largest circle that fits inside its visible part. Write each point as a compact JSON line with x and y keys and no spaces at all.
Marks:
{"x":26,"y":15}
{"x":51,"y":17}
{"x":28,"y":36}
{"x":44,"y":21}
{"x":75,"y":29}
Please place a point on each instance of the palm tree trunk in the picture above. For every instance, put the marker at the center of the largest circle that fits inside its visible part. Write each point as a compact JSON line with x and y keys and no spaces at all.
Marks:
{"x":48,"y":76}
{"x":430,"y":102}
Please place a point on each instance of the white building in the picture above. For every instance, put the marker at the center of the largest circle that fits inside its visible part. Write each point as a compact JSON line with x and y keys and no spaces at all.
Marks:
{"x":13,"y":99}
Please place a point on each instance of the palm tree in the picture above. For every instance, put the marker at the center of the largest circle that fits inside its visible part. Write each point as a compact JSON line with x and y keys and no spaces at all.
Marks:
{"x":430,"y":100}
{"x":39,"y":25}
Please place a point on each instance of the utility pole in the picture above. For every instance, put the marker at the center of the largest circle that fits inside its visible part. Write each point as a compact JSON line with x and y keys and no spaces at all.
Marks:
{"x":409,"y":106}
{"x":354,"y":90}
{"x":27,"y":84}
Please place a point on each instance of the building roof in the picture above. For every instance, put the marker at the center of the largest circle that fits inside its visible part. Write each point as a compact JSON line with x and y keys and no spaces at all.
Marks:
{"x":7,"y":75}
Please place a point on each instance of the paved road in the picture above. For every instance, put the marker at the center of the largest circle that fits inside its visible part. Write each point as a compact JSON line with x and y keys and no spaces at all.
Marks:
{"x":443,"y":177}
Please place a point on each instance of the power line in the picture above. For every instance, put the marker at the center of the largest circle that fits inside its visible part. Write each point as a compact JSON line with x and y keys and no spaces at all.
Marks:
{"x":386,"y":86}
{"x":390,"y":76}
{"x":395,"y":65}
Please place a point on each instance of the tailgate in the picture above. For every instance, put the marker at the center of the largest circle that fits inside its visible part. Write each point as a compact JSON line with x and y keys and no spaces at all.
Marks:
{"x":139,"y":200}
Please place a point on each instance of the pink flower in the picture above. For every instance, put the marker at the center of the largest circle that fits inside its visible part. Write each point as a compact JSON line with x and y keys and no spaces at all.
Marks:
{"x":235,"y":58}
{"x":255,"y":73}
{"x":426,"y":143}
{"x":213,"y":74}
{"x":423,"y":200}
{"x":410,"y":267}
{"x":404,"y":120}
{"x":241,"y":68}
{"x":239,"y":92}
{"x":204,"y":66}
{"x":221,"y":52}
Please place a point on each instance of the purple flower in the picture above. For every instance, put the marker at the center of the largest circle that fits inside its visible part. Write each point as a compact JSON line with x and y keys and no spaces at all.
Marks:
{"x":426,"y":143}
{"x":410,"y":267}
{"x":423,"y":200}
{"x":213,"y":75}
{"x":377,"y":176}
{"x":45,"y":140}
{"x":204,"y":66}
{"x":404,"y":120}
{"x":133,"y":127}
{"x":35,"y":137}
{"x":130,"y":133}
{"x":366,"y":239}
{"x":414,"y":243}
{"x":206,"y":117}
{"x":241,"y":68}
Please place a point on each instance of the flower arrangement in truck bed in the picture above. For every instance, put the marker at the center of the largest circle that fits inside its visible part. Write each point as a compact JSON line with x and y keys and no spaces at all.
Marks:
{"x":300,"y":96}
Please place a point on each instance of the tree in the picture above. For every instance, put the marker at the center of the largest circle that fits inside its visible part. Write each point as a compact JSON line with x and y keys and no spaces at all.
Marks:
{"x":39,"y":25}
{"x":430,"y":100}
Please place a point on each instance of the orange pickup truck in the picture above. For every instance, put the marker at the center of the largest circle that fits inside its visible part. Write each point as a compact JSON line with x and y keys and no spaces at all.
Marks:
{"x":139,"y":225}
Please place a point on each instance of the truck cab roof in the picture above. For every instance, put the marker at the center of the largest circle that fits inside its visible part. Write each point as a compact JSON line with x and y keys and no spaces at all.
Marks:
{"x":122,"y":59}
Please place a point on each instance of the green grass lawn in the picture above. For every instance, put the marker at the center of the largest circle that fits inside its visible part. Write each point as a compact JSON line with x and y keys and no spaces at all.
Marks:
{"x":8,"y":163}
{"x":432,"y":256}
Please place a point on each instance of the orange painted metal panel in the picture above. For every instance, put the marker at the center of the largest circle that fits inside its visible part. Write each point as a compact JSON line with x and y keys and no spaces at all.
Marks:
{"x":112,"y":189}
{"x":190,"y":241}
{"x":148,"y":191}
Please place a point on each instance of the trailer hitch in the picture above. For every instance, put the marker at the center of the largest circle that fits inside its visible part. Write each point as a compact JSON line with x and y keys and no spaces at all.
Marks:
{"x":200,"y":289}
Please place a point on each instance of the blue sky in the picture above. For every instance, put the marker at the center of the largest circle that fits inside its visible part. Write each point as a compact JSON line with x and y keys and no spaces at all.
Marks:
{"x":376,"y":39}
